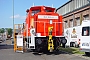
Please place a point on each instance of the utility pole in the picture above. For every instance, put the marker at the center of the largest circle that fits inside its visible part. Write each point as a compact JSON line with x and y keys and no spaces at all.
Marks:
{"x":13,"y":15}
{"x":89,"y":7}
{"x":13,"y":21}
{"x":74,"y":22}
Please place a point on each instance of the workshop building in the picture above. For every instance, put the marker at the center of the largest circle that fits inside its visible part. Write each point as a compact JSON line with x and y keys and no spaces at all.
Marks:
{"x":74,"y":11}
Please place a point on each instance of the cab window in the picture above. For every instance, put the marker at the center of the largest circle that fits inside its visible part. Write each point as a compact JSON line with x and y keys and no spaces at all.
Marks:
{"x":85,"y":31}
{"x":48,"y":10}
{"x":34,"y":12}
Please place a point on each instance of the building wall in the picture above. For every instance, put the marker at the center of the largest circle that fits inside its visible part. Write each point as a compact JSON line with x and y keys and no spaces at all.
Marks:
{"x":74,"y":18}
{"x":74,"y":12}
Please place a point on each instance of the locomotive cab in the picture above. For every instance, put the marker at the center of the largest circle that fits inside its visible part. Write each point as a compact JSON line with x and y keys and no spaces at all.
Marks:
{"x":37,"y":9}
{"x":42,"y":18}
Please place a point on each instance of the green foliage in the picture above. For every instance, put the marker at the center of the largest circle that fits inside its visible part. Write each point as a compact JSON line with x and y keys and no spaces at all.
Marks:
{"x":71,"y":50}
{"x":9,"y":30}
{"x":2,"y":30}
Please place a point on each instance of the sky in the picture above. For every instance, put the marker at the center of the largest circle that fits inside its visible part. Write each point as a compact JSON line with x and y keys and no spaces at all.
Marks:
{"x":20,"y":7}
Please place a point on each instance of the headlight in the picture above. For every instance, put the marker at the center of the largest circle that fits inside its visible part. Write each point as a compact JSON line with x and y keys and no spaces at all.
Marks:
{"x":32,"y":31}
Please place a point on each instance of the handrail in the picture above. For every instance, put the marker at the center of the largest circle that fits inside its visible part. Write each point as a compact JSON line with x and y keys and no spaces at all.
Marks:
{"x":45,"y":25}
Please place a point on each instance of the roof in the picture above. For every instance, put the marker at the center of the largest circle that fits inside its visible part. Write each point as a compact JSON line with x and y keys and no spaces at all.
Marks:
{"x":38,"y":7}
{"x":72,"y":10}
{"x":64,"y":4}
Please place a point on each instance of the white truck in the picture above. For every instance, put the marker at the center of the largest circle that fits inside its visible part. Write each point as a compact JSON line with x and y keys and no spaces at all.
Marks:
{"x":73,"y":36}
{"x":85,"y":37}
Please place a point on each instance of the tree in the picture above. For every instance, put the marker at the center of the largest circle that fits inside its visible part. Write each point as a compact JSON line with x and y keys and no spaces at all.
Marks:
{"x":9,"y":30}
{"x":2,"y":30}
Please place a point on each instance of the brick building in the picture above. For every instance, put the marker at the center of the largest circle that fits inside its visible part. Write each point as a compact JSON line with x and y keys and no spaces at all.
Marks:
{"x":74,"y":11}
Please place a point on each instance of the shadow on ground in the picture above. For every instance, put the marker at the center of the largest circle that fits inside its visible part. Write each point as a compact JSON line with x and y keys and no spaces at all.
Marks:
{"x":86,"y":55}
{"x":5,"y":46}
{"x":48,"y":53}
{"x":69,"y":51}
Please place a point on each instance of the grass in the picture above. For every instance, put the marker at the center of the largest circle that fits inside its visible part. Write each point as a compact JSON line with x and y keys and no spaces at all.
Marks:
{"x":71,"y":50}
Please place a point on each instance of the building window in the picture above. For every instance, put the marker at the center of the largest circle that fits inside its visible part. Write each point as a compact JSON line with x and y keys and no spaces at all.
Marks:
{"x":78,"y":21}
{"x":86,"y":17}
{"x":71,"y":23}
{"x":66,"y":24}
